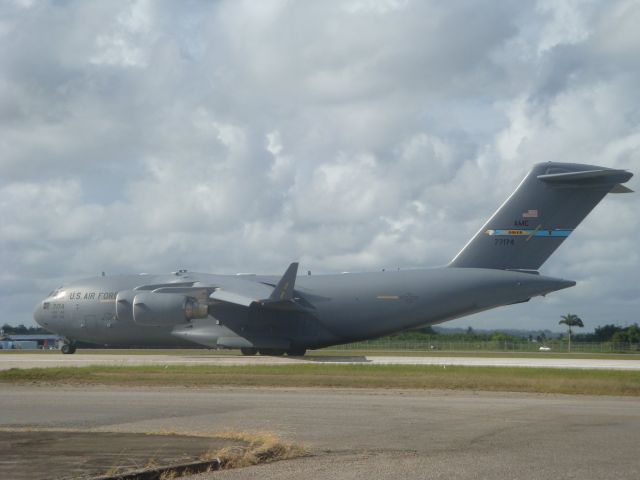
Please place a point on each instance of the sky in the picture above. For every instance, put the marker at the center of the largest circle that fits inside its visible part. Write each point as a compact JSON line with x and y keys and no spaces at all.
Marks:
{"x":354,"y":135}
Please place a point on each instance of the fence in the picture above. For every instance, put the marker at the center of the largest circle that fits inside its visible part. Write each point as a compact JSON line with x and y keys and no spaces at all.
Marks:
{"x":559,"y":346}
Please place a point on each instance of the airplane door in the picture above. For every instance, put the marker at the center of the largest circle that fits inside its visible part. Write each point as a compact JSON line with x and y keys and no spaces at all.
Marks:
{"x":76,"y":317}
{"x":107,"y":320}
{"x":88,"y":321}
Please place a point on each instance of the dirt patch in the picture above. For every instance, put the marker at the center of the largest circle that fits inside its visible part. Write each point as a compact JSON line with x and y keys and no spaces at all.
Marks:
{"x":63,"y":454}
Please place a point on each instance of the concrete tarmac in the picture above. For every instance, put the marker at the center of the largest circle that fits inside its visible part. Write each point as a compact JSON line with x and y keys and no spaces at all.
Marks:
{"x":27,"y":360}
{"x":374,"y":434}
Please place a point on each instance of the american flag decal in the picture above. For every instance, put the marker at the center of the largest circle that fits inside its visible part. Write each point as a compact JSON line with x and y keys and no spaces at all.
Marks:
{"x":530,"y":214}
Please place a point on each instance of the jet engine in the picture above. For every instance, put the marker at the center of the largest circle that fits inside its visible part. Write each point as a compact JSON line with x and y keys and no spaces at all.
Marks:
{"x":124,"y":305}
{"x":163,"y":309}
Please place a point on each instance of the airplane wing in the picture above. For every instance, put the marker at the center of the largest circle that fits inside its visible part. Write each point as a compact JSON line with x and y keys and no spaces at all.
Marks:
{"x":232,"y":297}
{"x":252,"y":295}
{"x":238,"y":291}
{"x":248,"y":293}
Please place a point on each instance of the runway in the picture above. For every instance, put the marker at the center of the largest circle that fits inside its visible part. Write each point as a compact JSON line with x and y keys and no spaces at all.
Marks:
{"x":375,"y":434}
{"x":27,"y":360}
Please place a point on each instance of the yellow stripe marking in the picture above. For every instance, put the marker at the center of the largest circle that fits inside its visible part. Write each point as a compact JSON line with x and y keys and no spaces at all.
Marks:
{"x":534,"y":232}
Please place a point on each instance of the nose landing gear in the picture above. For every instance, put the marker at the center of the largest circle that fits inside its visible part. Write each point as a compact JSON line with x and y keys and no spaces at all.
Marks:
{"x":68,"y":348}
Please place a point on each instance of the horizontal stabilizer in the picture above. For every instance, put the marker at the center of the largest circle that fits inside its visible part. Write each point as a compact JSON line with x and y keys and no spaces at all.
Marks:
{"x":587,"y":178}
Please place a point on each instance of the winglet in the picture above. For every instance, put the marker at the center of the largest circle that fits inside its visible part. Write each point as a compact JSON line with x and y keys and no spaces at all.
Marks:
{"x":284,"y":288}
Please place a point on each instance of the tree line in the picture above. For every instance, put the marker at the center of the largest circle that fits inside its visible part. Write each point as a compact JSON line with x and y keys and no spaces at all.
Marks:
{"x":611,"y":333}
{"x":22,"y":330}
{"x":606,"y":333}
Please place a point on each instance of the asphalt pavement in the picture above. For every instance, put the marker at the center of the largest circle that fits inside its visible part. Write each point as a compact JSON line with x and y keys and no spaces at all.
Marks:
{"x":374,"y":434}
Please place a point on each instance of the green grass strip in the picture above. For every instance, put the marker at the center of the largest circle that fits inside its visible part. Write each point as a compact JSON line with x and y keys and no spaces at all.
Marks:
{"x":508,"y":379}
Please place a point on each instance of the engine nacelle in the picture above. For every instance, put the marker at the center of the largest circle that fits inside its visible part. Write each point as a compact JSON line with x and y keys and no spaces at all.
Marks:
{"x":124,"y":305}
{"x":158,"y":309}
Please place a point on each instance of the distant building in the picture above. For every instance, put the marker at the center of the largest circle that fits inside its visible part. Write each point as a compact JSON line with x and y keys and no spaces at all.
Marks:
{"x":29,"y":342}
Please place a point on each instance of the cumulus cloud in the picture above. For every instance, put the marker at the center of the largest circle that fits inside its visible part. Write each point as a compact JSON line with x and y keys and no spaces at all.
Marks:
{"x":239,"y":136}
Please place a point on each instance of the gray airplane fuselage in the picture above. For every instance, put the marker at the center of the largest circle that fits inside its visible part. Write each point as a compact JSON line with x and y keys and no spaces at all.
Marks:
{"x":346,"y":307}
{"x":269,"y":314}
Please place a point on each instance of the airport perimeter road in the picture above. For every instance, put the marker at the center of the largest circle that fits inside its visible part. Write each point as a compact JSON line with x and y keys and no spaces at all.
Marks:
{"x":43,"y":360}
{"x":373,"y":434}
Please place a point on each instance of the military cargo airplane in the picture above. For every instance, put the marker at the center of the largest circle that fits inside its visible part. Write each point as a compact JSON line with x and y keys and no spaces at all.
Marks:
{"x":274,"y":315}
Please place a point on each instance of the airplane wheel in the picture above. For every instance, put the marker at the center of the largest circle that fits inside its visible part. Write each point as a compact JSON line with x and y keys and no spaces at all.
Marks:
{"x":249,"y":351}
{"x":297,"y":352}
{"x":68,"y":349}
{"x":271,"y":351}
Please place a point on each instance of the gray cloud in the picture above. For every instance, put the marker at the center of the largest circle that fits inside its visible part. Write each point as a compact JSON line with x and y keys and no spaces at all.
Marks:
{"x":237,"y":136}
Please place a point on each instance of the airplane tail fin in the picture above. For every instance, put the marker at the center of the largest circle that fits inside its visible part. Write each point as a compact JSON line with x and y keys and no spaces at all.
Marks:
{"x":542,"y":212}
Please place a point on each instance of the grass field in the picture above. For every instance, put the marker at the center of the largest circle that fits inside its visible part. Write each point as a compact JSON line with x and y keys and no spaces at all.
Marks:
{"x":518,"y":379}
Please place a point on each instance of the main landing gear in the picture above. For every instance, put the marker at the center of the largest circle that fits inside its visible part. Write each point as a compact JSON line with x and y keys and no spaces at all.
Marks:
{"x":297,"y":352}
{"x":274,"y":352}
{"x":68,"y":348}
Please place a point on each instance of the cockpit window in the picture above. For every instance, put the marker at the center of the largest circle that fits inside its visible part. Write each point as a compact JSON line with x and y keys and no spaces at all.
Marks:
{"x":57,"y":293}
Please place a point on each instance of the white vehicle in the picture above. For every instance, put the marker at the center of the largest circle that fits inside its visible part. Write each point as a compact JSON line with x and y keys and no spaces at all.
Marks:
{"x":545,"y":349}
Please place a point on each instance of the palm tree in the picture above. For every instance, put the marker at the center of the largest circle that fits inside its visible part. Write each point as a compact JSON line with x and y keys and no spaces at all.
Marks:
{"x":571,"y":320}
